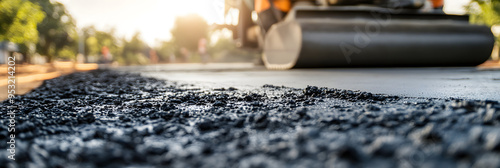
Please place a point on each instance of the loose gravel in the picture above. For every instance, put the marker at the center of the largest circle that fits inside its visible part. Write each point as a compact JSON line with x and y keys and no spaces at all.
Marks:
{"x":116,"y":119}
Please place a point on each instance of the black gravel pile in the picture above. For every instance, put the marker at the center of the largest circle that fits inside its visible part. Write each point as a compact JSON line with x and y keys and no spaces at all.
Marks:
{"x":112,"y":119}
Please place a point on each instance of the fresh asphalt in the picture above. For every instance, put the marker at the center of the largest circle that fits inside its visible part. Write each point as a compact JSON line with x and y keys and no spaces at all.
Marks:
{"x":211,"y":117}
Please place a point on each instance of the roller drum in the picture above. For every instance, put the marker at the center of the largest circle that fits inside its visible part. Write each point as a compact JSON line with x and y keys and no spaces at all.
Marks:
{"x":357,"y":40}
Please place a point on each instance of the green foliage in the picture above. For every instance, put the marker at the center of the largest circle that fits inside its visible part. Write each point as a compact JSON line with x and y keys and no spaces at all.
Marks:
{"x":95,"y":40}
{"x":125,"y":52}
{"x":56,"y":31}
{"x":166,"y":49}
{"x":135,"y":59}
{"x":92,"y":46}
{"x":485,"y":12}
{"x":18,"y":21}
{"x":108,"y":39}
{"x":67,"y":53}
{"x":135,"y":45}
{"x":188,"y":30}
{"x":225,"y":50}
{"x":135,"y":50}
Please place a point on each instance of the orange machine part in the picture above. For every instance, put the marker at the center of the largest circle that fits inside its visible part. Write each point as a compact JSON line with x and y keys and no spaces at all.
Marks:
{"x":437,"y":3}
{"x":262,"y":5}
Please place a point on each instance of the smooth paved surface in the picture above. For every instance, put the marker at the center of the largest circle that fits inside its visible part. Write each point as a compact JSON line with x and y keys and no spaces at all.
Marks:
{"x":462,"y":82}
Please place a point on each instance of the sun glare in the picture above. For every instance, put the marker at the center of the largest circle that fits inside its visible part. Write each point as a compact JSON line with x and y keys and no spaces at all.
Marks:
{"x":152,"y":18}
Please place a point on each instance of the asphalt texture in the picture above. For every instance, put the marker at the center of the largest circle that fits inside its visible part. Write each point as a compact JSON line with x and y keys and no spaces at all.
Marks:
{"x":117,"y":119}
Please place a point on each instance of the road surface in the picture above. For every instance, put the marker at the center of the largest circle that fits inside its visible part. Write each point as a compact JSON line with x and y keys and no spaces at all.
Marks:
{"x":226,"y":118}
{"x":462,"y":82}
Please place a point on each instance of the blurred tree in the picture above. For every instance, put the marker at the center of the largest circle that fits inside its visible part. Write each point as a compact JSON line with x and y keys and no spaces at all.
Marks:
{"x":222,"y":44}
{"x":55,"y":30}
{"x":95,"y":40}
{"x":135,"y":45}
{"x":225,"y":50}
{"x":165,"y":50}
{"x":67,"y":53}
{"x":188,"y":30}
{"x":135,"y":50}
{"x":90,"y":41}
{"x":107,"y":39}
{"x":92,"y":46}
{"x":18,"y":22}
{"x":485,"y":12}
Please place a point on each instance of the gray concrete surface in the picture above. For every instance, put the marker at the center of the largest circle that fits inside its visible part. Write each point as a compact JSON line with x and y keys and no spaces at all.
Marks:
{"x":462,"y":82}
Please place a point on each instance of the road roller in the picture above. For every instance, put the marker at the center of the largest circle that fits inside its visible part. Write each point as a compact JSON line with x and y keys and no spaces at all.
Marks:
{"x":359,"y":33}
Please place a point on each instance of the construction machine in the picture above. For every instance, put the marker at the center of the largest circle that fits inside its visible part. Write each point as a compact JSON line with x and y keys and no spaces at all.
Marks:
{"x":359,"y":33}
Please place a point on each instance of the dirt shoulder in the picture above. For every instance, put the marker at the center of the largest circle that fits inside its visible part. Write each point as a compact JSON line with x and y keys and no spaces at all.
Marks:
{"x":30,"y":76}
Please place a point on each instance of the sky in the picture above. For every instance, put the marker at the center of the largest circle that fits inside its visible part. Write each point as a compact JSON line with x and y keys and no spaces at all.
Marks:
{"x":155,"y":18}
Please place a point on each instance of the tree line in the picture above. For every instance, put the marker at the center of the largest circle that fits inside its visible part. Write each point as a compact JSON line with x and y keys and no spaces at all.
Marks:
{"x":46,"y":27}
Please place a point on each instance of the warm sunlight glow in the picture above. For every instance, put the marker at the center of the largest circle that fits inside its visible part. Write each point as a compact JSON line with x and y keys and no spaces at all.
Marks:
{"x":153,"y":18}
{"x":455,"y":6}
